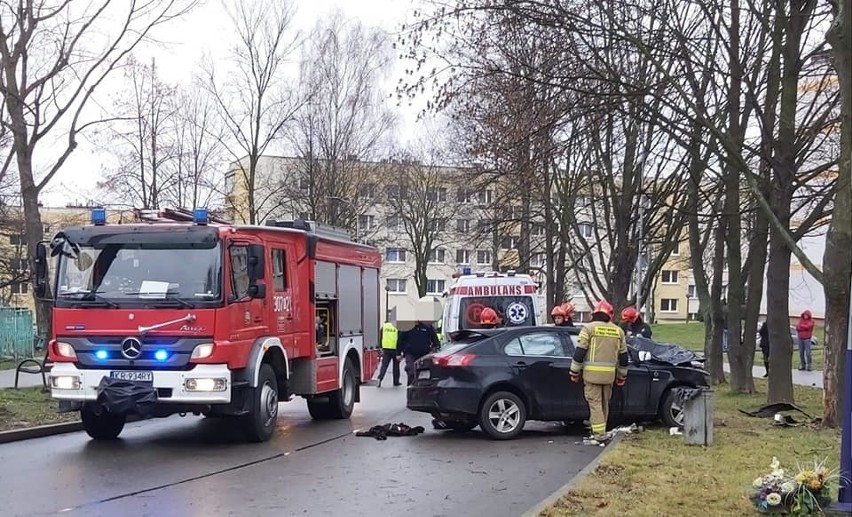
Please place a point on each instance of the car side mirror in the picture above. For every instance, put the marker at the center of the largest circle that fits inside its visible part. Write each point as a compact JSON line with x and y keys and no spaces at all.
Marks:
{"x":41,"y":270}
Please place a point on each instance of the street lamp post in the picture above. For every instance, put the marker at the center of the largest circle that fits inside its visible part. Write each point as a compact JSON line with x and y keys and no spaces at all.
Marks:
{"x":387,"y":301}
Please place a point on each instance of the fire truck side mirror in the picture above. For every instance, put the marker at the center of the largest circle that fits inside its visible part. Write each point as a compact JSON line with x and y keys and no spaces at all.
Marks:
{"x":255,"y":262}
{"x":257,"y":291}
{"x":41,"y":270}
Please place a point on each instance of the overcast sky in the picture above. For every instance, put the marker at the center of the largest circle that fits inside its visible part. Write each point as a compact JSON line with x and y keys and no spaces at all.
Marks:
{"x":207,"y":30}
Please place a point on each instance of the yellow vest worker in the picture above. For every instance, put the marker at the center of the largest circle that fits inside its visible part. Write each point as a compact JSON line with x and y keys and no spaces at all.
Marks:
{"x":601,"y":356}
{"x":390,"y":335}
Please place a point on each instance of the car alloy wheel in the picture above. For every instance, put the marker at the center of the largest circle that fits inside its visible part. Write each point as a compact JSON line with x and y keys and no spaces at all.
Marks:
{"x":505,"y":415}
{"x":676,"y":411}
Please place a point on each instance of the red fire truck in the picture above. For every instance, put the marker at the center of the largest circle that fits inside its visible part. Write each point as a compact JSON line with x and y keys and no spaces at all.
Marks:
{"x":181,"y":313}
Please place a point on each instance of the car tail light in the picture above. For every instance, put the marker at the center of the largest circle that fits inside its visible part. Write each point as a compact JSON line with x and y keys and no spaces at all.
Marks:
{"x":459,"y":360}
{"x":62,"y":352}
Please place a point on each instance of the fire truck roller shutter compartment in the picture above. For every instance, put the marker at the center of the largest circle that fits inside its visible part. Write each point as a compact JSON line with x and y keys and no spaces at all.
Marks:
{"x":371,"y":321}
{"x":350,"y":318}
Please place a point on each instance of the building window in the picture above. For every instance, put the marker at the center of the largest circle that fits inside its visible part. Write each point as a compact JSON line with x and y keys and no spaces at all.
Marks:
{"x":690,"y":291}
{"x":366,"y":222}
{"x":583,"y":201}
{"x":538,"y":260}
{"x":395,"y":255}
{"x":485,"y":197}
{"x":484,"y":225}
{"x":586,"y":230}
{"x":463,"y":225}
{"x":668,"y":305}
{"x":438,"y":256}
{"x":435,"y":286}
{"x":483,"y":257}
{"x":462,"y":256}
{"x":20,"y":264}
{"x":17,"y":240}
{"x":436,"y":194}
{"x":304,"y":184}
{"x":19,"y":288}
{"x":367,"y":190}
{"x":676,"y":250}
{"x":395,"y":192}
{"x":395,"y":223}
{"x":537,"y":229}
{"x":396,"y":285}
{"x":669,"y":276}
{"x":440,"y":224}
{"x":509,"y":243}
{"x":464,"y":195}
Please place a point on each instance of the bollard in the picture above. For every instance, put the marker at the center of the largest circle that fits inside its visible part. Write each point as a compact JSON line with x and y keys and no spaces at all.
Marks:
{"x":698,"y":416}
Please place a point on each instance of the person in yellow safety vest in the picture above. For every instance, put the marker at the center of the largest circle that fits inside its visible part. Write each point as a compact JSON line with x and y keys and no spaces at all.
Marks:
{"x":601,"y":357}
{"x":390,"y":337}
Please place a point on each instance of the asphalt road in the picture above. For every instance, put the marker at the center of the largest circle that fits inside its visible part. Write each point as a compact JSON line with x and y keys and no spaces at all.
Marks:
{"x":195,"y":466}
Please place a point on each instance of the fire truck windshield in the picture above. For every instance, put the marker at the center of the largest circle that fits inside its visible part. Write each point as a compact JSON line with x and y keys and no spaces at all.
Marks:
{"x":148,"y":273}
{"x":513,"y":311}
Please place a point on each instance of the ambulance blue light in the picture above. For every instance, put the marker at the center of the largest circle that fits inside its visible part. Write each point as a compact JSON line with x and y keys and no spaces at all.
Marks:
{"x":161,"y":355}
{"x":199,"y":216}
{"x":100,"y":355}
{"x":466,"y":271}
{"x":99,"y":216}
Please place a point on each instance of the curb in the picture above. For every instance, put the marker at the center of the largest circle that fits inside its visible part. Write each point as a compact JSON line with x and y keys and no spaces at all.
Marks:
{"x":42,"y":431}
{"x":585,"y":471}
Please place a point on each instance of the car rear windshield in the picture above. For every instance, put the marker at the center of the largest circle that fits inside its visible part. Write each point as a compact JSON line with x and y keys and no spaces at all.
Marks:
{"x":513,"y":311}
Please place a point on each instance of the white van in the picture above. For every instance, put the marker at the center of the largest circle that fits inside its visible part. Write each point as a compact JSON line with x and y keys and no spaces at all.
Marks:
{"x":514,"y":297}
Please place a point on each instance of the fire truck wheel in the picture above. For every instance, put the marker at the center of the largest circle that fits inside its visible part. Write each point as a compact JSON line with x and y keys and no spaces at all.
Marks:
{"x":259,"y":423}
{"x":106,"y":426}
{"x":341,"y":402}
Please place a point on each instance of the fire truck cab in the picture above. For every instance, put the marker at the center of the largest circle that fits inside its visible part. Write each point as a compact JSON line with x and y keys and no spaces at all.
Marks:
{"x":178,"y":313}
{"x":513,"y":296}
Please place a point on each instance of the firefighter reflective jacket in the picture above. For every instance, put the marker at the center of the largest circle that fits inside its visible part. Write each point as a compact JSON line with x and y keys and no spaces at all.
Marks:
{"x":601,"y":353}
{"x":389,"y":336}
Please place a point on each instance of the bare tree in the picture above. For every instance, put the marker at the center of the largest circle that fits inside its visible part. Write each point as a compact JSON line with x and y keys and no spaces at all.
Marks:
{"x":54,"y":56}
{"x":418,"y":206}
{"x":254,"y":100}
{"x":344,"y":122}
{"x":140,"y":139}
{"x":838,"y":250}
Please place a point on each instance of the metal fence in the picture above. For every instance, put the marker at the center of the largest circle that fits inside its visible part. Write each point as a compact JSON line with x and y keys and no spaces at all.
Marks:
{"x":16,"y":333}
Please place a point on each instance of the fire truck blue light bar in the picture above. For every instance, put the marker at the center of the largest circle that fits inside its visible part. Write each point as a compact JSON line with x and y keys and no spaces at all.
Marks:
{"x":99,"y":216}
{"x":199,"y":215}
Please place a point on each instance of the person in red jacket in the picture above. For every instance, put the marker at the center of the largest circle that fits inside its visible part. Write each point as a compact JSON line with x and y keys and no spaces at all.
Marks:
{"x":805,"y":331}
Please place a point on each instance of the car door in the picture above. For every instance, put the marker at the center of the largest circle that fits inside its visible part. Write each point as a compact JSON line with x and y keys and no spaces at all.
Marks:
{"x":540,"y":365}
{"x":576,"y":406}
{"x":637,"y":390}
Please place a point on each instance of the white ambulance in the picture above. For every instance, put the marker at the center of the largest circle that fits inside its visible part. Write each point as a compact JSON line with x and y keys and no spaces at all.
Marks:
{"x":514,"y":297}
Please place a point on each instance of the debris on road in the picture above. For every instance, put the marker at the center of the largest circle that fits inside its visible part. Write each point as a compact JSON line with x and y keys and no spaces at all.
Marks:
{"x":381,"y":432}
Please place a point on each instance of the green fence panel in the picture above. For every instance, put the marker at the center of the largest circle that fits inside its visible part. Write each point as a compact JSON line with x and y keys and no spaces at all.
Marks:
{"x":16,"y":332}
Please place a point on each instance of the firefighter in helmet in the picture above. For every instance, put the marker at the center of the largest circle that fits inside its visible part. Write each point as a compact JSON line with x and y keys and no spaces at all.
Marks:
{"x":601,"y":358}
{"x":632,"y":324}
{"x":558,"y":315}
{"x":568,"y":311}
{"x":488,"y":318}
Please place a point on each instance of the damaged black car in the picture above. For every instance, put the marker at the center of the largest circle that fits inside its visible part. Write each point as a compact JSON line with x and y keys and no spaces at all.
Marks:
{"x":498,"y":379}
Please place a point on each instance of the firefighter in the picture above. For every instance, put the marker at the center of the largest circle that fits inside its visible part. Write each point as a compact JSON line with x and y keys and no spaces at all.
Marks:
{"x":601,"y":357}
{"x":416,"y":343}
{"x":390,"y":337}
{"x":568,"y":310}
{"x":488,"y":318}
{"x":558,"y":315}
{"x":632,"y":324}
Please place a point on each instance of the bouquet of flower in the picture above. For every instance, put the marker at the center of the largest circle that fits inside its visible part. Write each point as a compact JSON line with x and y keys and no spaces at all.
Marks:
{"x":805,"y":493}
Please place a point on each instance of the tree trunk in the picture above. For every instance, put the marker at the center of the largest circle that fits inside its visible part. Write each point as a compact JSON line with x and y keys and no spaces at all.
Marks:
{"x":837,"y":259}
{"x":35,"y":233}
{"x":713,"y":348}
{"x":754,"y":291}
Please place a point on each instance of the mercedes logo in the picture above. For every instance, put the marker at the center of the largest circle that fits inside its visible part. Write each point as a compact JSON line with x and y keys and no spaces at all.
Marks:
{"x":131,"y":348}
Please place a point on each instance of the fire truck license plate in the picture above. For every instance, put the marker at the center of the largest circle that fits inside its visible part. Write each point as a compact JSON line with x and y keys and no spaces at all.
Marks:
{"x":133,"y":376}
{"x":423,"y":374}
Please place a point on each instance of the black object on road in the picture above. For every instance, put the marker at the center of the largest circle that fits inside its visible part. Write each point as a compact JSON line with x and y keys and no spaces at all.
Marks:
{"x":381,"y":432}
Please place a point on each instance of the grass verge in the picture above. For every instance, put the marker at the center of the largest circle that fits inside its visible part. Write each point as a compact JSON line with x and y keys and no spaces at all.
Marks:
{"x":655,"y":474}
{"x":691,"y":336}
{"x":29,"y":407}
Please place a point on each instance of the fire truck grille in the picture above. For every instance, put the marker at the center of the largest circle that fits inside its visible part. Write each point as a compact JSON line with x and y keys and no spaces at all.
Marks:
{"x":160,"y":353}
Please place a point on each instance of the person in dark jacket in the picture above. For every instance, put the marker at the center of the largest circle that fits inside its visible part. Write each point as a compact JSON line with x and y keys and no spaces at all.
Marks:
{"x":632,"y":324}
{"x":416,"y":343}
{"x":764,"y":346}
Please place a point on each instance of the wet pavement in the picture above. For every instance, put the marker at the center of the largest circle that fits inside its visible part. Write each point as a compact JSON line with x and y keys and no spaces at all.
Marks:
{"x":196,"y":466}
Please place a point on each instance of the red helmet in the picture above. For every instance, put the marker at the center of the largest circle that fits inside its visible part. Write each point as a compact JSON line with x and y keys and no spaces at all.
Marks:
{"x":568,"y":308}
{"x":558,"y":311}
{"x":630,"y":314}
{"x":488,"y":316}
{"x":604,"y":307}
